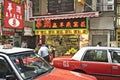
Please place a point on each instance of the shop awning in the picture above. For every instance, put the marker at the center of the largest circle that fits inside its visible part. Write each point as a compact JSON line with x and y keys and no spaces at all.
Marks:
{"x":66,"y":16}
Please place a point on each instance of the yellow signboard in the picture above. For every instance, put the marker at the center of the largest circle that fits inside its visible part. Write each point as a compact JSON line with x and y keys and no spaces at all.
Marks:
{"x":60,"y":32}
{"x":0,"y":14}
{"x":118,"y":37}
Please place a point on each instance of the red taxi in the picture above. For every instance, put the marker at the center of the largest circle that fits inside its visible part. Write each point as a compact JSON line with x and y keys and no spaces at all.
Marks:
{"x":102,"y":62}
{"x":25,"y":64}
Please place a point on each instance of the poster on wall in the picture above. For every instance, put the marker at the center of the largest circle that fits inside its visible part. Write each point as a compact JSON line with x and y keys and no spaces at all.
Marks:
{"x":13,"y":15}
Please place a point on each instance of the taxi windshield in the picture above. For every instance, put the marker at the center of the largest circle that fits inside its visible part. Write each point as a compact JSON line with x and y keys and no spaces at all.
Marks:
{"x":30,"y":65}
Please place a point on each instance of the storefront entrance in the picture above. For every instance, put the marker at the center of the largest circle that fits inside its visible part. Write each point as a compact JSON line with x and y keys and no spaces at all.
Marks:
{"x":31,"y":41}
{"x":63,"y":43}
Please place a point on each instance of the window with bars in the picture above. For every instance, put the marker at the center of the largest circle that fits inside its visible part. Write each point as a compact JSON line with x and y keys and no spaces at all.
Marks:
{"x":98,"y":1}
{"x":118,"y":21}
{"x":105,"y":5}
{"x":110,"y":7}
{"x":118,"y":14}
{"x":36,"y":7}
{"x":60,"y":6}
{"x":118,"y":9}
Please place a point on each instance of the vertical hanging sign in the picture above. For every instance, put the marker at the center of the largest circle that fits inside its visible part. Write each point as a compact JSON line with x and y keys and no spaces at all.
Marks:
{"x":13,"y":15}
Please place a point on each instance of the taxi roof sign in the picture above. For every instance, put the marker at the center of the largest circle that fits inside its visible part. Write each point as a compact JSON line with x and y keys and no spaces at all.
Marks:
{"x":7,"y":46}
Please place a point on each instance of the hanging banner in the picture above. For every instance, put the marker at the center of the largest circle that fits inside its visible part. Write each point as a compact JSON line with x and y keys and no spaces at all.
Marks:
{"x":13,"y":15}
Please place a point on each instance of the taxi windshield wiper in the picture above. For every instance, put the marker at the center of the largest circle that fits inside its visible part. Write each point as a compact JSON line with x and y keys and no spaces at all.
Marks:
{"x":29,"y":78}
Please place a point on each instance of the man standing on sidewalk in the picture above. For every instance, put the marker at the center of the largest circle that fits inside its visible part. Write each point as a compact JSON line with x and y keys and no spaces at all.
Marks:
{"x":44,"y":52}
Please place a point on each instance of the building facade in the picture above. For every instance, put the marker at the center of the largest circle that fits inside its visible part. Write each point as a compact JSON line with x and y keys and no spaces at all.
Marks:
{"x":117,"y":21}
{"x":74,"y":33}
{"x":97,"y":24}
{"x":100,"y":26}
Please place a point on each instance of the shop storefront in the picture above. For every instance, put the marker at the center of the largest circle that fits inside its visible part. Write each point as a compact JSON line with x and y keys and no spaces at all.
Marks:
{"x":66,"y":43}
{"x":64,"y":32}
{"x":7,"y":36}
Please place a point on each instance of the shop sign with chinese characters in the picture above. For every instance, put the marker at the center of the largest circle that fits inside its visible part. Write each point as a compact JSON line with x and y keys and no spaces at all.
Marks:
{"x":61,"y":26}
{"x":13,"y":15}
{"x":76,"y":23}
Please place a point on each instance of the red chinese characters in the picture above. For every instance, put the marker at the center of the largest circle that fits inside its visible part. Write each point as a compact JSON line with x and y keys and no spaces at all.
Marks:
{"x":38,"y":24}
{"x":47,"y":24}
{"x":75,"y":23}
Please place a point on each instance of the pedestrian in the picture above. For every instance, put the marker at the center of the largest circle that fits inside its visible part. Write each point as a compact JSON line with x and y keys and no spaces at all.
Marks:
{"x":99,"y":44}
{"x":37,"y":47}
{"x":24,"y":44}
{"x":44,"y":52}
{"x":53,"y":51}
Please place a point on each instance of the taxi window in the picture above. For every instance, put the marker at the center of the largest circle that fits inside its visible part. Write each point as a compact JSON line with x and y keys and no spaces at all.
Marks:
{"x":96,"y":55}
{"x":115,"y":54}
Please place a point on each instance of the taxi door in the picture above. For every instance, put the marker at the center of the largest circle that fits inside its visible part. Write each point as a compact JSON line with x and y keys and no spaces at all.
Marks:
{"x":95,"y":62}
{"x":116,"y":71}
{"x":115,"y":64}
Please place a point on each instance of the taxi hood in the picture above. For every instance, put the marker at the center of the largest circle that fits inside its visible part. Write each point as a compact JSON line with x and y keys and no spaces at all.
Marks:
{"x":59,"y":74}
{"x":63,"y":58}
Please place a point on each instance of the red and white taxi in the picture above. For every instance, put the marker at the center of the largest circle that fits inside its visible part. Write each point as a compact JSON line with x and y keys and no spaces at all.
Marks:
{"x":102,"y":62}
{"x":25,"y":64}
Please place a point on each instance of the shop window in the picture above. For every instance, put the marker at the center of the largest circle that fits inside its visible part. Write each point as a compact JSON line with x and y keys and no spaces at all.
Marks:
{"x":63,"y":43}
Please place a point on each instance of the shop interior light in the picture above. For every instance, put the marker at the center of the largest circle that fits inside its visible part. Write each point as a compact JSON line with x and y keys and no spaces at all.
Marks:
{"x":81,"y":2}
{"x":47,"y":32}
{"x":63,"y":31}
{"x":72,"y":31}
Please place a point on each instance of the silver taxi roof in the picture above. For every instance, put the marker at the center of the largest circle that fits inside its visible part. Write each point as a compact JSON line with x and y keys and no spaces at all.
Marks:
{"x":100,"y":47}
{"x":80,"y":52}
{"x":13,"y":50}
